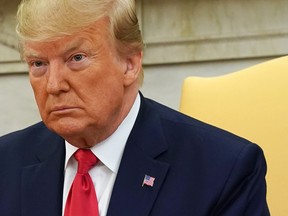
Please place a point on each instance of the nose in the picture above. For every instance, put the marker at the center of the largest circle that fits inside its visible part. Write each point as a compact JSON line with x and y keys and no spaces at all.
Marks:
{"x":57,"y":82}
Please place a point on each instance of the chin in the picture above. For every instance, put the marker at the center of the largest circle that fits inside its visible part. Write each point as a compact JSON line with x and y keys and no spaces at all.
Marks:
{"x":66,"y":129}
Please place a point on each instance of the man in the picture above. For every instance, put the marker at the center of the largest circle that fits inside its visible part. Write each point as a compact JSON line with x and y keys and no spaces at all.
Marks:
{"x":84,"y":61}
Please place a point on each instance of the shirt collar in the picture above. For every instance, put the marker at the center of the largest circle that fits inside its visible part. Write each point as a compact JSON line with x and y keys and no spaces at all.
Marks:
{"x":110,"y":150}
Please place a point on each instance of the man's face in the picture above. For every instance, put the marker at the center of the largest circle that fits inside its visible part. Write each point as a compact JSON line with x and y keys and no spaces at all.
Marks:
{"x":80,"y":84}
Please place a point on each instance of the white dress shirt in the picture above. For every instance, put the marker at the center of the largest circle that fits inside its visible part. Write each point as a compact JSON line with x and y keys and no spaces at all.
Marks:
{"x":109,"y":152}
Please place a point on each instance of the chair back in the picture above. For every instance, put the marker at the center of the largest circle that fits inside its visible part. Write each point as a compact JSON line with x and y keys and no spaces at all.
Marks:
{"x":252,"y":103}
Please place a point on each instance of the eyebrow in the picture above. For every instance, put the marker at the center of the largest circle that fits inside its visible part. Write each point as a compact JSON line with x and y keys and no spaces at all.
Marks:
{"x":68,"y":48}
{"x":29,"y":55}
{"x":73,"y":46}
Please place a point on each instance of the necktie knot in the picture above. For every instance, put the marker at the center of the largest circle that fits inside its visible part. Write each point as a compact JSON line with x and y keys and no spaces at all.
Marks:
{"x":86,"y":160}
{"x":82,"y":199}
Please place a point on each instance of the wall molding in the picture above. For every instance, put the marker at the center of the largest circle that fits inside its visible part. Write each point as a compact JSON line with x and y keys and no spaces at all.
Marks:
{"x":13,"y":68}
{"x":269,"y":44}
{"x":204,"y":38}
{"x":212,"y":31}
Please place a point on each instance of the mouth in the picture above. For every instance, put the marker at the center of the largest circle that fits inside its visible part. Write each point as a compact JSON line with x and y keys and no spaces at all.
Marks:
{"x":61,"y":110}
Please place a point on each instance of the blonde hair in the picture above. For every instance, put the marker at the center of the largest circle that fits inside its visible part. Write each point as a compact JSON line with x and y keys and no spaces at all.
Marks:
{"x":39,"y":20}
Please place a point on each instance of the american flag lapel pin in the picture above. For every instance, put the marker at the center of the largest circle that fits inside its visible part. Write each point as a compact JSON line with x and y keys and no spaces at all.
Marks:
{"x":148,"y":180}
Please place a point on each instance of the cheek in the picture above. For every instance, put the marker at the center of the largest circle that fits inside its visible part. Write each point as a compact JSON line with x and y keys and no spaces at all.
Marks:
{"x":103,"y":99}
{"x":101,"y":85}
{"x":39,"y":94}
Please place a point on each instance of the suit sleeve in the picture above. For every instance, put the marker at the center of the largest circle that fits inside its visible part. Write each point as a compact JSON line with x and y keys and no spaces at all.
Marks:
{"x":244,"y":193}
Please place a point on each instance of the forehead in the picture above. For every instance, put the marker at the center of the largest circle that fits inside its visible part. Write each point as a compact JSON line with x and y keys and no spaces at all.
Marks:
{"x":94,"y":35}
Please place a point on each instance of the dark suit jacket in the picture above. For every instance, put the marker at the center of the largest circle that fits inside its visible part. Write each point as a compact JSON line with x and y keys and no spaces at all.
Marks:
{"x":199,"y":170}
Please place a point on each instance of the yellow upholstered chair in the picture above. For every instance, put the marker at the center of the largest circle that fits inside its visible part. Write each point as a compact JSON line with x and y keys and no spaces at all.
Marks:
{"x":252,"y":103}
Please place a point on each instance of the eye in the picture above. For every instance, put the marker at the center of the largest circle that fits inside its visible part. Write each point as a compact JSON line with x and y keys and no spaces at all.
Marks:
{"x":78,"y":57}
{"x":37,"y":64}
{"x":38,"y":68}
{"x":78,"y":61}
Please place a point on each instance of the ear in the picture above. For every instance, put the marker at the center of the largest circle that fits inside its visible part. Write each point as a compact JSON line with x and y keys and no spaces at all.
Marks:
{"x":133,"y":68}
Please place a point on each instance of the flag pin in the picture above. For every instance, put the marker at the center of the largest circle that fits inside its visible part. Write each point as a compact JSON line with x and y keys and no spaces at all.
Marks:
{"x":148,"y":180}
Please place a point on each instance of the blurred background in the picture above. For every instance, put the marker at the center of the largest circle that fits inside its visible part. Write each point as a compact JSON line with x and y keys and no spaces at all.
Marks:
{"x":183,"y":38}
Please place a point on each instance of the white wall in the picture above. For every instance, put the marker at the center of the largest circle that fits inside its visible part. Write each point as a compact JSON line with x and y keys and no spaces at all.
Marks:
{"x":17,"y":106}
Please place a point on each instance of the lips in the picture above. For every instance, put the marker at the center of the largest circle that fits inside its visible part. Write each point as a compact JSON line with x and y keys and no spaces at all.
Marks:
{"x":62,"y":109}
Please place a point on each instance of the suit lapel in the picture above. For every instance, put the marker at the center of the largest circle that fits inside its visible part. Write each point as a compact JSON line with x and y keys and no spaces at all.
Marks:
{"x":42,"y":182}
{"x":145,"y":143}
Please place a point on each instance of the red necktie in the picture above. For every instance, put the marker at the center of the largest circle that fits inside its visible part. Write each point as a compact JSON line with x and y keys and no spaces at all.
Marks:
{"x":82,"y":198}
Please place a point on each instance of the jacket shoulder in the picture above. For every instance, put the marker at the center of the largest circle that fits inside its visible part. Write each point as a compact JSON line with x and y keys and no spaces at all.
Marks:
{"x":187,"y":129}
{"x":31,"y":134}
